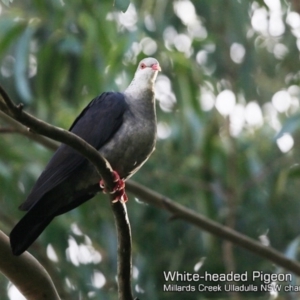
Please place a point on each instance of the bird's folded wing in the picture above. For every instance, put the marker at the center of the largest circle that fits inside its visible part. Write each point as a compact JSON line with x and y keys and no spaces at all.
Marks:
{"x":96,"y":124}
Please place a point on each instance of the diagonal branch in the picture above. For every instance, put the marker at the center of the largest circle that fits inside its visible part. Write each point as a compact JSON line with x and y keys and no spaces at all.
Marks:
{"x":181,"y":212}
{"x":20,"y":129}
{"x":105,"y":171}
{"x":61,"y":135}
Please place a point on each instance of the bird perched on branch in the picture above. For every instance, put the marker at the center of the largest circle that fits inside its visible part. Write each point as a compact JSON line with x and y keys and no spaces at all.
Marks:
{"x":122,"y":127}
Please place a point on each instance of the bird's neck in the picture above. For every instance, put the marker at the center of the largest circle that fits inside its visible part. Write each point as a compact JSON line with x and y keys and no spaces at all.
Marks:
{"x":139,"y":89}
{"x":141,"y":100}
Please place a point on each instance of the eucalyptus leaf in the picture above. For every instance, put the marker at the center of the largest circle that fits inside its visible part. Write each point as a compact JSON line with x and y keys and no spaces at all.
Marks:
{"x":294,"y":171}
{"x":7,"y":2}
{"x":289,"y":126}
{"x":21,"y":65}
{"x":10,"y":31}
{"x":122,"y":5}
{"x":292,"y":249}
{"x":236,"y":177}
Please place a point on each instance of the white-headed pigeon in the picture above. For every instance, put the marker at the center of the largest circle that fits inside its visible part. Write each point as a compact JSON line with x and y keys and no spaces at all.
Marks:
{"x":122,"y":127}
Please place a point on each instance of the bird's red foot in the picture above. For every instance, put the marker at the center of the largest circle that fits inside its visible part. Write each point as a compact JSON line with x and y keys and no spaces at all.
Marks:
{"x":120,"y":196}
{"x":118,"y":190}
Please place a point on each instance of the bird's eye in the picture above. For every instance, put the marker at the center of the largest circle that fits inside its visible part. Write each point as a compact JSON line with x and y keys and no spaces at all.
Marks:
{"x":143,"y":66}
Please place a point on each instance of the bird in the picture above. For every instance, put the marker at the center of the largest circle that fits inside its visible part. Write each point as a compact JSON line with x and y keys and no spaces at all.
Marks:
{"x":122,"y":127}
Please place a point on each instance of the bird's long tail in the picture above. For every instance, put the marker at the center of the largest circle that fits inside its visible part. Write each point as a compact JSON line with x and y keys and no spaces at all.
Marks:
{"x":27,"y":231}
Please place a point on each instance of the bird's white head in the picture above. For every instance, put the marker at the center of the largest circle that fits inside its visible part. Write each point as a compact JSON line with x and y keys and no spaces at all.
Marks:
{"x":147,"y":69}
{"x":146,"y":73}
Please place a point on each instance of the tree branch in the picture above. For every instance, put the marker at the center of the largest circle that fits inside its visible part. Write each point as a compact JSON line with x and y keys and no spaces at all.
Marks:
{"x":36,"y":284}
{"x":124,"y":249}
{"x":181,"y":212}
{"x":105,"y":171}
{"x":20,"y":129}
{"x":38,"y":126}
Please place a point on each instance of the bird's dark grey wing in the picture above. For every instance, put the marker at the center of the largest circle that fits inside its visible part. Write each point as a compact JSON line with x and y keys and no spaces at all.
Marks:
{"x":96,"y":124}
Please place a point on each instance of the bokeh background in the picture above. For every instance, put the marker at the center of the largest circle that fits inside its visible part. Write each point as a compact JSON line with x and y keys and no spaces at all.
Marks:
{"x":228,"y":133}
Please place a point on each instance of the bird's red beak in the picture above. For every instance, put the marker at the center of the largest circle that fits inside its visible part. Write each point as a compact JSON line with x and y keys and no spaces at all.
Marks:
{"x":156,"y":67}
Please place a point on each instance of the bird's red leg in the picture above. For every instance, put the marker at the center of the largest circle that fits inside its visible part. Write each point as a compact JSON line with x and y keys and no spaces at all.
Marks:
{"x":118,"y":190}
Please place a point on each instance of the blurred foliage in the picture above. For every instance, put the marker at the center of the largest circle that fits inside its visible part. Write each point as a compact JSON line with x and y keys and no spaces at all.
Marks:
{"x":232,"y":156}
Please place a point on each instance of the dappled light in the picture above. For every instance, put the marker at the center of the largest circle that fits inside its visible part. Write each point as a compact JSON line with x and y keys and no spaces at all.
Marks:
{"x":237,"y":53}
{"x":125,"y":20}
{"x":163,"y":130}
{"x":149,"y":46}
{"x":285,"y":142}
{"x":199,"y":264}
{"x":225,"y":102}
{"x":228,"y":136}
{"x":13,"y":293}
{"x":281,"y":101}
{"x":7,"y":68}
{"x":51,"y":253}
{"x":82,"y":253}
{"x":164,"y":93}
{"x":98,"y":280}
{"x":253,"y":114}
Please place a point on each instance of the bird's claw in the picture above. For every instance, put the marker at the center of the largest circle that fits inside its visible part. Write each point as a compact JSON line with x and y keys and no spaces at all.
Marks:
{"x":120,"y":196}
{"x":120,"y":184}
{"x":118,"y":190}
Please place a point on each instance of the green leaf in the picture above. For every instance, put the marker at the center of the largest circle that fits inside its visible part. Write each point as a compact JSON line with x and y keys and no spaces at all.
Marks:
{"x":292,"y":249}
{"x":290,"y":126}
{"x":6,"y":2}
{"x":9,"y":32}
{"x":21,"y":65}
{"x":70,"y":45}
{"x":122,"y":5}
{"x":294,"y":171}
